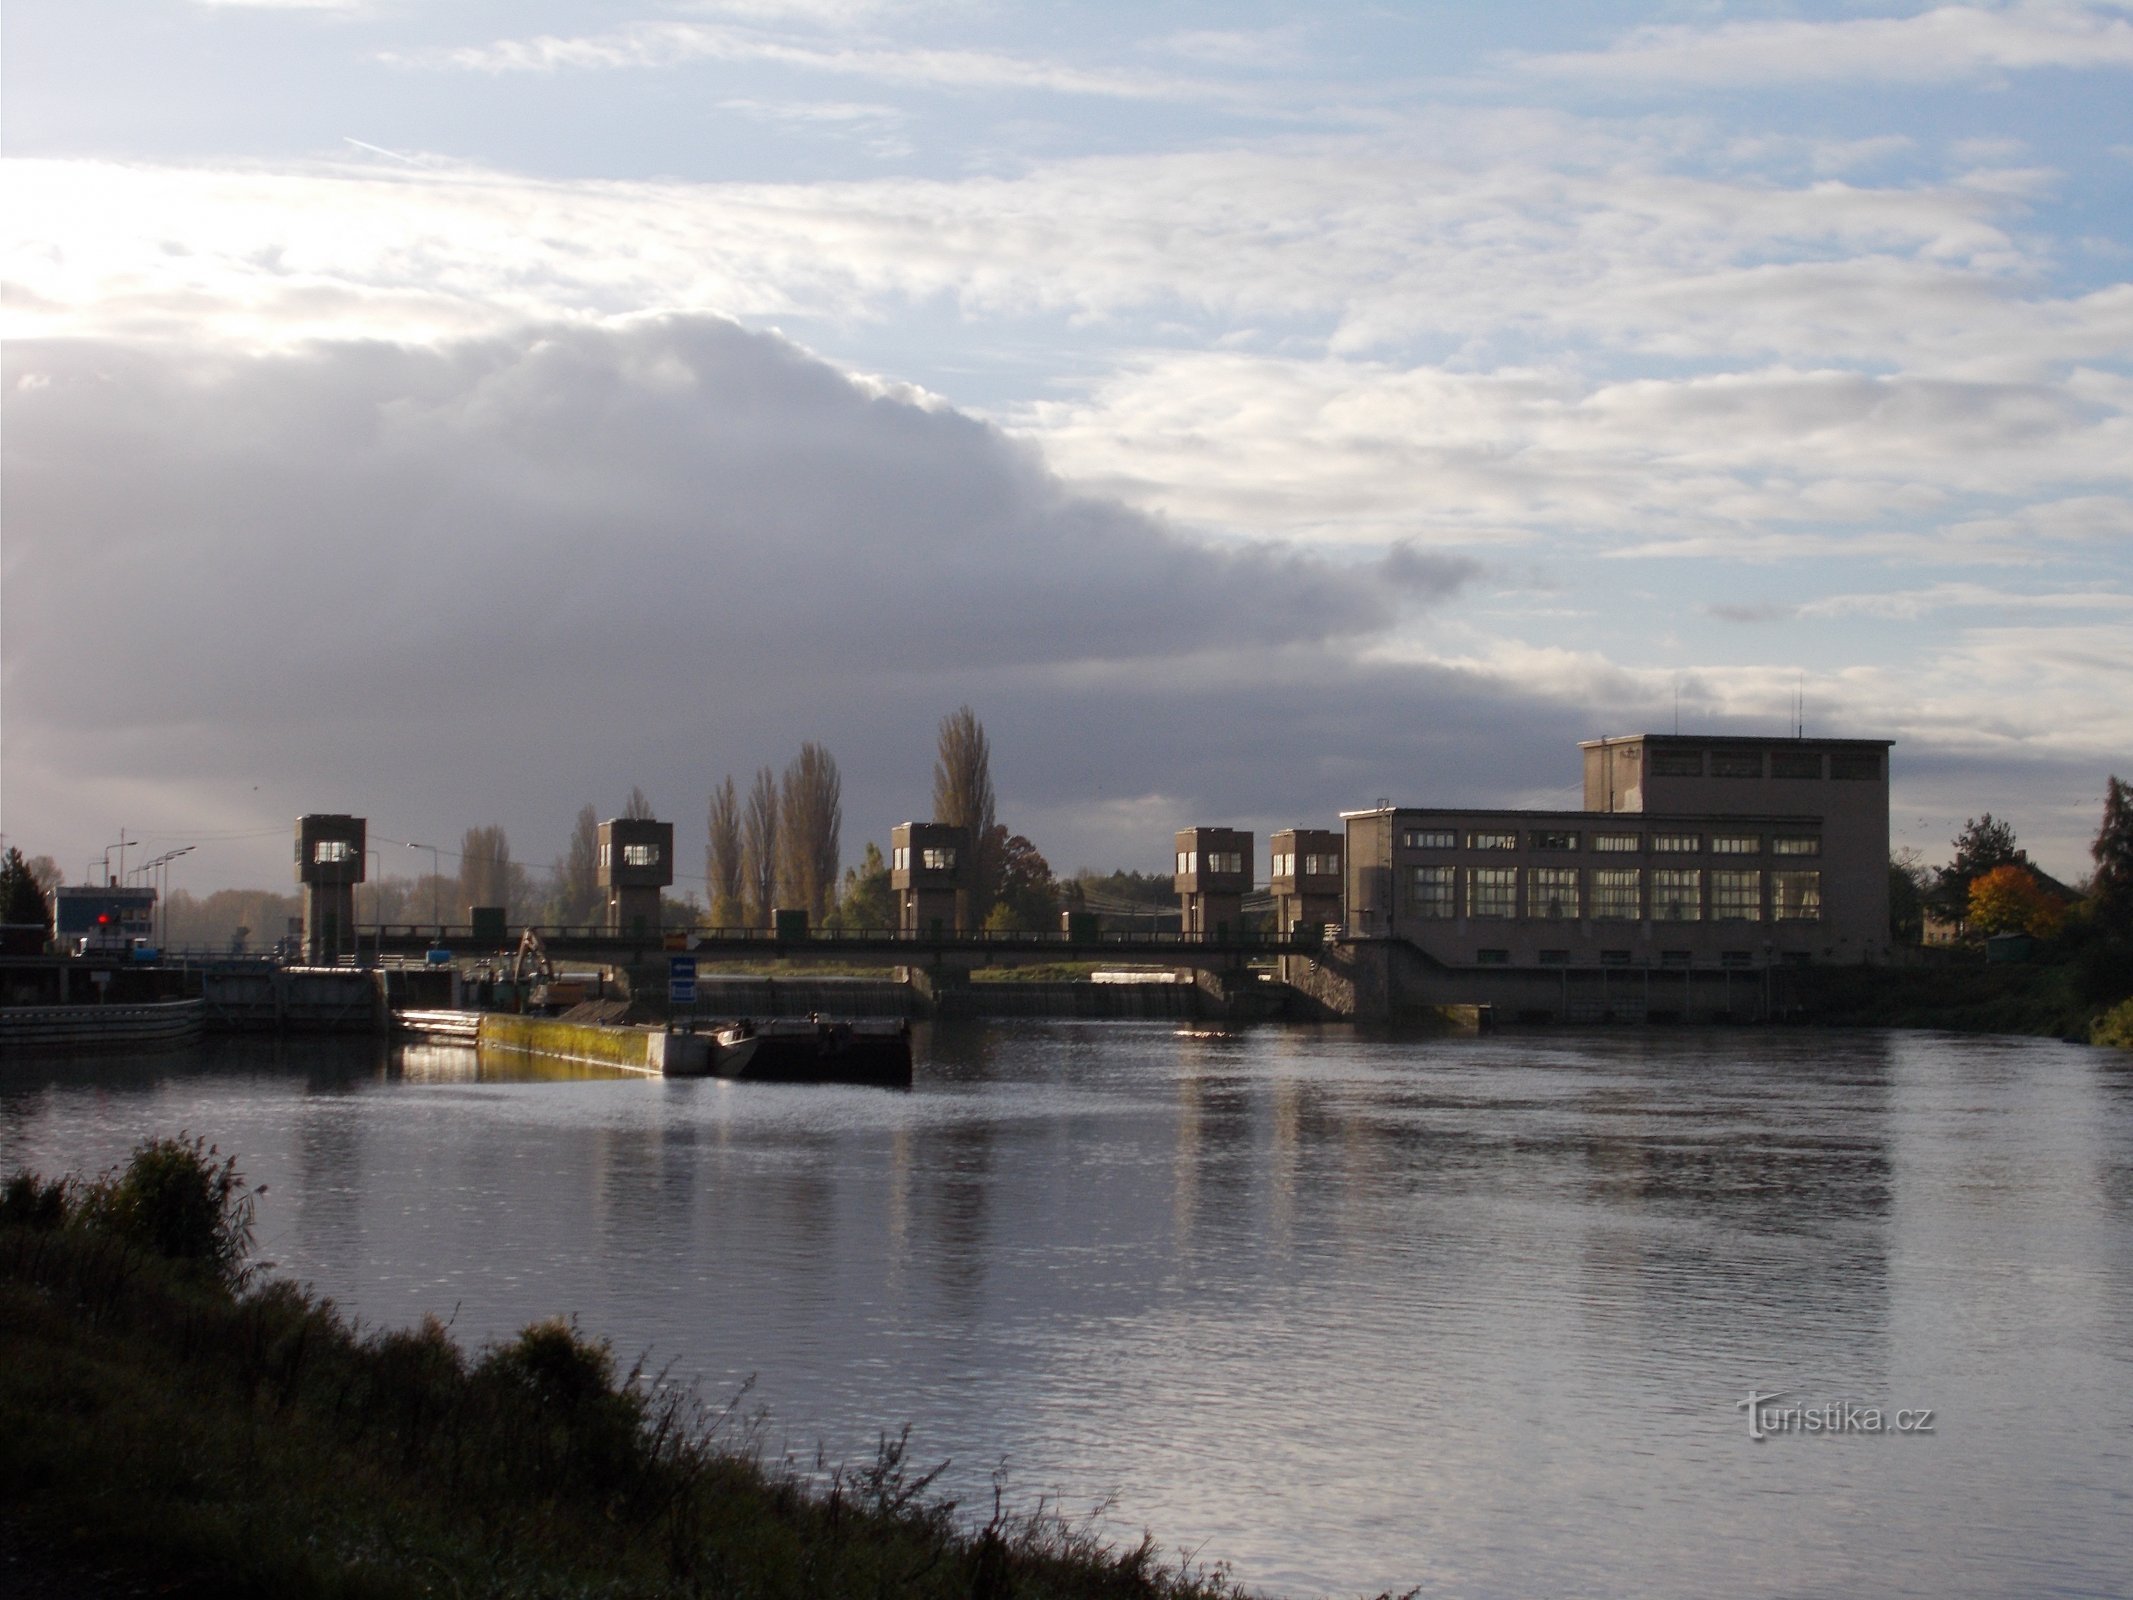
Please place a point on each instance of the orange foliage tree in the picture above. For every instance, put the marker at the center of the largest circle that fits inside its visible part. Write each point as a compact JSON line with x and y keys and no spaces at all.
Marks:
{"x":2010,"y":900}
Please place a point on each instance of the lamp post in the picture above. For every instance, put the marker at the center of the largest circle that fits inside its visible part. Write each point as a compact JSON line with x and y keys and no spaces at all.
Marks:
{"x":163,"y":890}
{"x":377,"y":909}
{"x":436,"y":886}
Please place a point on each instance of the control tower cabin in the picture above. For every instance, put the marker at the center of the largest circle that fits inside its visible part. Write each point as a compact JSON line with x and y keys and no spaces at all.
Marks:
{"x":636,"y":862}
{"x":329,"y":864}
{"x":926,"y":870}
{"x":1306,"y":878}
{"x":1214,"y":873}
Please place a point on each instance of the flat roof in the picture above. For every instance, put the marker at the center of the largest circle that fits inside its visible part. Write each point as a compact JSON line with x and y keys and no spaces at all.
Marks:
{"x":1615,"y":820}
{"x":1739,"y":740}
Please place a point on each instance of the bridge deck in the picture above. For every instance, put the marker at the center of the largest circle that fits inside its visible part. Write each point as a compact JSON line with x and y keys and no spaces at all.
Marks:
{"x":884,"y":944}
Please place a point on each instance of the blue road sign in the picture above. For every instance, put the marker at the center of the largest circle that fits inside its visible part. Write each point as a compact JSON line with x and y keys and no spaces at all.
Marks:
{"x":681,"y":980}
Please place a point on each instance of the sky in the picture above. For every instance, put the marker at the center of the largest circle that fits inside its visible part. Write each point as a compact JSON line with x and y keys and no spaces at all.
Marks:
{"x":456,"y":412}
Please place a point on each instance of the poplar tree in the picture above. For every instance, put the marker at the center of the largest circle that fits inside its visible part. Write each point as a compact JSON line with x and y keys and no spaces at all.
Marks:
{"x":962,"y":795}
{"x":722,"y":855}
{"x":759,"y":847}
{"x":811,"y":821}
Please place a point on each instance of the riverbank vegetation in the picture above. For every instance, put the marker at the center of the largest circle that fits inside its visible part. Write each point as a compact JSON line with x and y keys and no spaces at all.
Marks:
{"x":171,"y":1414}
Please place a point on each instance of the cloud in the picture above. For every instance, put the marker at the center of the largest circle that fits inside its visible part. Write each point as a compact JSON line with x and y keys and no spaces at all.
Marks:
{"x":1949,"y":43}
{"x":499,"y":575}
{"x":642,"y":45}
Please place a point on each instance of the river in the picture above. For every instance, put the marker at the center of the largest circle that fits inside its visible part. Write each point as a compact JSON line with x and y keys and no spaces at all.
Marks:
{"x":1348,"y":1313}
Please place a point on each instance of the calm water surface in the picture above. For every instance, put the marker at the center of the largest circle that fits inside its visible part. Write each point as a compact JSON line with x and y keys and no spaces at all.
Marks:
{"x":1347,"y":1313}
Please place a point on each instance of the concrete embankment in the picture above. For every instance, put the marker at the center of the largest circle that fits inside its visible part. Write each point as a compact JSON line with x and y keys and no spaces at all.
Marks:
{"x":626,"y":1048}
{"x":162,"y":1025}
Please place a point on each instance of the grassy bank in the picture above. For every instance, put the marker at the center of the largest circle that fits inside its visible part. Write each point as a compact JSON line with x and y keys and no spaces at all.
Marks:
{"x":2050,"y":998}
{"x":168,"y":1413}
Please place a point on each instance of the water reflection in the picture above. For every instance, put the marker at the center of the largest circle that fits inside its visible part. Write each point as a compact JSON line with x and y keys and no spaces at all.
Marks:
{"x":1356,"y":1312}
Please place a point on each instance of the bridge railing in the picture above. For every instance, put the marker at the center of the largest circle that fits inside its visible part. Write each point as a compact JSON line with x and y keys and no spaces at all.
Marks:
{"x":448,"y":934}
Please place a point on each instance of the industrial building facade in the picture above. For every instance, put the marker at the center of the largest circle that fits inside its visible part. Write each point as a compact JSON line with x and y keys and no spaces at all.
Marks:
{"x":1689,"y":853}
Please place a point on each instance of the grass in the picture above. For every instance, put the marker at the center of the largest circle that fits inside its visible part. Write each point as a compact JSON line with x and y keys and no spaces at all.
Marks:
{"x":167,"y":1409}
{"x":2051,"y":997}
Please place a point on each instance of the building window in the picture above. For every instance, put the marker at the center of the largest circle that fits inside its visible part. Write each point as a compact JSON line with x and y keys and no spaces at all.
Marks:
{"x":1736,"y":958}
{"x":1555,"y":958}
{"x":1796,"y":847}
{"x":1677,"y":763}
{"x":1283,"y":863}
{"x":1677,"y":895}
{"x":1675,"y":958}
{"x":605,"y":858}
{"x":1430,"y":891}
{"x":1798,"y":958}
{"x":1492,"y":841}
{"x":1864,"y":765}
{"x":1550,"y":839}
{"x":1736,"y":844}
{"x":1795,"y":764}
{"x":1492,"y":892}
{"x":1327,"y":865}
{"x":1429,"y":839}
{"x":1552,"y":893}
{"x":332,"y":852}
{"x":1737,"y":896}
{"x":1617,"y":893}
{"x":937,"y":858}
{"x":1188,"y":861}
{"x":1492,"y":958}
{"x":1618,"y":843}
{"x":1677,"y":844}
{"x":640,"y":855}
{"x":1796,"y":896}
{"x":1736,"y":763}
{"x":1225,"y":861}
{"x":1614,"y":958}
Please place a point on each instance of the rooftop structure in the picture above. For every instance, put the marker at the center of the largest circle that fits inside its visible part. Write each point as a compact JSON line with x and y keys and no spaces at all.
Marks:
{"x":928,"y":862}
{"x":635,"y":862}
{"x":1214,"y":874}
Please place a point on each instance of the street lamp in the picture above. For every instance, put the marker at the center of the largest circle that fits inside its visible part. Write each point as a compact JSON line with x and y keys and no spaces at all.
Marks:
{"x":436,"y":886}
{"x":377,"y":908}
{"x":163,"y":890}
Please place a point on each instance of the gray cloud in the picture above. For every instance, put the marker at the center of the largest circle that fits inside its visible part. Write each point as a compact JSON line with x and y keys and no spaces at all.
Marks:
{"x":496,"y":577}
{"x":493,"y":579}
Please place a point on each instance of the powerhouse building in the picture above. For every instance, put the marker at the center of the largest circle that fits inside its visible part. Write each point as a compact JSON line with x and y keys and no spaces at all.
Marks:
{"x":1689,"y":852}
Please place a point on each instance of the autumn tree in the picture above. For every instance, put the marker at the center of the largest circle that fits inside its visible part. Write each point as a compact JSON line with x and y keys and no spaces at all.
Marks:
{"x":759,"y":847}
{"x":48,"y":874}
{"x":1028,"y":898}
{"x":2008,"y":899}
{"x":810,"y":821}
{"x":485,"y":875}
{"x":1980,"y":845}
{"x":577,"y":874}
{"x":723,"y":857}
{"x":21,"y":901}
{"x":962,"y":795}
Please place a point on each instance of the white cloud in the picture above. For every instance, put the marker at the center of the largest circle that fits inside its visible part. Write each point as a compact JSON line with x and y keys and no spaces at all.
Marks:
{"x":640,"y":45}
{"x":1945,"y":43}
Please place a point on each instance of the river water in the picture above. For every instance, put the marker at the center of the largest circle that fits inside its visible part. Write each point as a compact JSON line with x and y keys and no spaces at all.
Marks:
{"x":1478,"y":1315}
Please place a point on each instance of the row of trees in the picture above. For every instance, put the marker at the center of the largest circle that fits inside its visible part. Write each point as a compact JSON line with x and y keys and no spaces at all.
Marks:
{"x":781,"y":846}
{"x":1990,"y":885}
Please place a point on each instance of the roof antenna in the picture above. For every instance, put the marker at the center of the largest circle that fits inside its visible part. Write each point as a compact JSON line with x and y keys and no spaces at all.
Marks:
{"x":1799,"y":708}
{"x":1677,"y":702}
